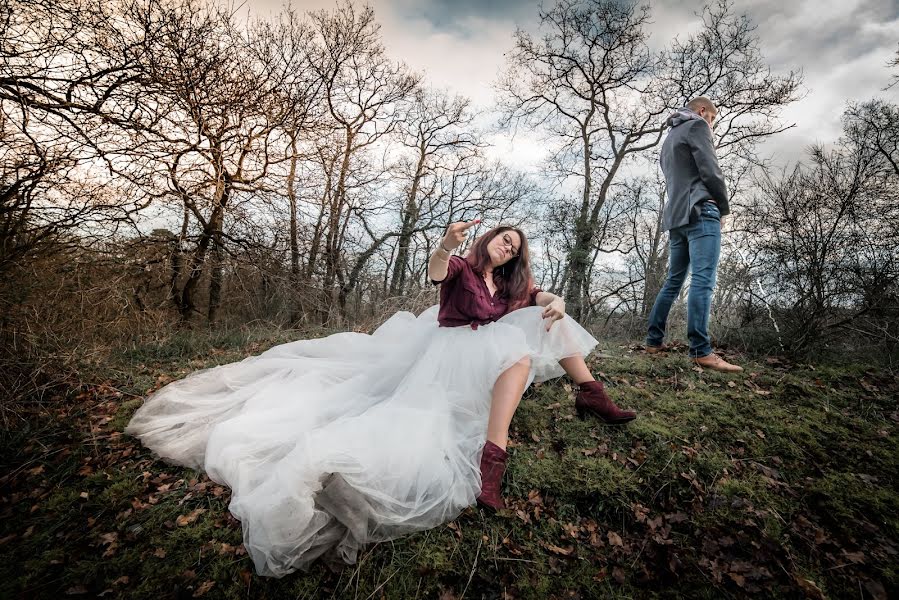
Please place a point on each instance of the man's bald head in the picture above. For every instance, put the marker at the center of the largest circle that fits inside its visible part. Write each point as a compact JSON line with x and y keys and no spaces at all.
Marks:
{"x":704,"y":107}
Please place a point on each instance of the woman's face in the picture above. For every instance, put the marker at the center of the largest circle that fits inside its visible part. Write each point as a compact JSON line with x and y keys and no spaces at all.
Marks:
{"x":504,"y":247}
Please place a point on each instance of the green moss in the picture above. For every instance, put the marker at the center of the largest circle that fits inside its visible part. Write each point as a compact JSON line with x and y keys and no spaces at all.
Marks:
{"x":119,"y":493}
{"x":124,"y":413}
{"x":771,"y":457}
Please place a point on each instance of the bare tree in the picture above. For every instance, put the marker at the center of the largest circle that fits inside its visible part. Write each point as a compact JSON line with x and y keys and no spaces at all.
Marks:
{"x":601,"y":95}
{"x":366,"y":95}
{"x":894,"y":63}
{"x":286,"y":47}
{"x":436,"y":129}
{"x":572,"y":82}
{"x":873,"y":127}
{"x":64,"y":103}
{"x":827,"y":234}
{"x":209,"y":134}
{"x":647,"y":248}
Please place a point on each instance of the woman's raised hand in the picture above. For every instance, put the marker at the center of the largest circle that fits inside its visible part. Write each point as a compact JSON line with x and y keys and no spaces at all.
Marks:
{"x":457,"y":232}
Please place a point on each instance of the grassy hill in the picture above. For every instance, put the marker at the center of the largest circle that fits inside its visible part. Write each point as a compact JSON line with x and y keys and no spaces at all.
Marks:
{"x":781,"y":481}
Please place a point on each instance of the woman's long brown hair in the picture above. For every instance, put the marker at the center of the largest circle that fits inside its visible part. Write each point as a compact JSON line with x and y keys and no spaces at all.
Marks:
{"x":514,"y":279}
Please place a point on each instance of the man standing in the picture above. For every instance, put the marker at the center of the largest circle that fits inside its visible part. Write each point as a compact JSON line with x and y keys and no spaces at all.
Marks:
{"x":694,"y":215}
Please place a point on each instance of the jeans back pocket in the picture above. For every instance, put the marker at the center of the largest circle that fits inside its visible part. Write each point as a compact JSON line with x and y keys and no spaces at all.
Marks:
{"x":710,"y":210}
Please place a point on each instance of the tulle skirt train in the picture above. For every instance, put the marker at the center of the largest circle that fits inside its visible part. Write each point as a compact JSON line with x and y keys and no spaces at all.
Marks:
{"x":332,"y":443}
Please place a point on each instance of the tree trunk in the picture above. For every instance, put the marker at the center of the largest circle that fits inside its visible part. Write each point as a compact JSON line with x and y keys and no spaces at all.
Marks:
{"x":217,"y":223}
{"x":178,"y":259}
{"x":292,"y":198}
{"x":216,"y":276}
{"x":656,"y":263}
{"x":333,"y":239}
{"x":296,"y":299}
{"x":579,"y":254}
{"x":188,"y":302}
{"x":212,"y":229}
{"x":315,"y":246}
{"x":581,"y":257}
{"x":410,"y":217}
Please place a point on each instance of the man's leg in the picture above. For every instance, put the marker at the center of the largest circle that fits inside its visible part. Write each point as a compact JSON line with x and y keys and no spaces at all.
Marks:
{"x":705,"y":250}
{"x":678,"y":262}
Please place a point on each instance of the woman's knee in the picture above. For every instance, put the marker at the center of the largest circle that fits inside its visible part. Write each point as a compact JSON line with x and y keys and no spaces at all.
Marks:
{"x":518,"y":369}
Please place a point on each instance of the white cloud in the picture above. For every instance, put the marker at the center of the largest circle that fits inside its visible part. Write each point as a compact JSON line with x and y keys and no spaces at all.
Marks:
{"x":842,"y":46}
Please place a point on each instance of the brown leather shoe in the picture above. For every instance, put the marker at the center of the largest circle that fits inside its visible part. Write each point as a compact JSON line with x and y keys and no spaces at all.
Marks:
{"x":716,"y":363}
{"x":656,"y":349}
{"x":493,"y":465}
{"x":592,"y":398}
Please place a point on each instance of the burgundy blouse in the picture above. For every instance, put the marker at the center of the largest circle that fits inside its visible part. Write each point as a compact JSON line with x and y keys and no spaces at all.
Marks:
{"x":465,"y":299}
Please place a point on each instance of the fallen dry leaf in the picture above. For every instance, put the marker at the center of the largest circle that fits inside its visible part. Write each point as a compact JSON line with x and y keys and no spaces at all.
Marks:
{"x":183,"y":520}
{"x":110,"y":551}
{"x":535,"y":498}
{"x":204,"y":587}
{"x":226,"y":548}
{"x":557,"y":550}
{"x":809,"y":588}
{"x":108,"y":538}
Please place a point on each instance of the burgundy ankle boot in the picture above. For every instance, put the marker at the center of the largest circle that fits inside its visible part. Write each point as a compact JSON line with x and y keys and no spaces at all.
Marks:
{"x":493,"y":465}
{"x":592,"y":399}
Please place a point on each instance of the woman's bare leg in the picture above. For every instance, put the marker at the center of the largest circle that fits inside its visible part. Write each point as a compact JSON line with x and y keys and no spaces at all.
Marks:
{"x":577,"y":369}
{"x":507,"y":393}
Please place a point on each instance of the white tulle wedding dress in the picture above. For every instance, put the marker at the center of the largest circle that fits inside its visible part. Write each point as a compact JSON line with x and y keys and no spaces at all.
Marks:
{"x":332,"y":443}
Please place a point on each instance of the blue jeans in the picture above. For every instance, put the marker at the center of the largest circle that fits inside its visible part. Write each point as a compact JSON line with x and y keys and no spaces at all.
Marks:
{"x":696,"y":246}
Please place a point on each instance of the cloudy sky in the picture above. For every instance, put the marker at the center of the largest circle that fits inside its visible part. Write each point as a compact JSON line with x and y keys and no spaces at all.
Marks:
{"x":842,"y":47}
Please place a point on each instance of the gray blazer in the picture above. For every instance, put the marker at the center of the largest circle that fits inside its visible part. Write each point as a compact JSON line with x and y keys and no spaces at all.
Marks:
{"x":691,"y":169}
